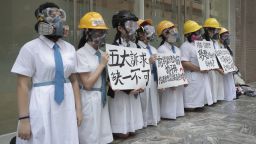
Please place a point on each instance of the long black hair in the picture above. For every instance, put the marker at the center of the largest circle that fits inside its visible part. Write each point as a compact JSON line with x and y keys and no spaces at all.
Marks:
{"x":83,"y":40}
{"x":85,"y":37}
{"x":163,"y":40}
{"x":117,"y":38}
{"x":206,"y":35}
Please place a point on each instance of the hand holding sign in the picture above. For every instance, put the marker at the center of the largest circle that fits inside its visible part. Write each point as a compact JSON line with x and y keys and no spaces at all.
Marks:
{"x":104,"y":59}
{"x":152,"y":58}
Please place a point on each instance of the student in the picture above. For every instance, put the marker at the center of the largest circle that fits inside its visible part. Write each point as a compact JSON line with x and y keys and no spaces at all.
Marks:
{"x":198,"y":90}
{"x":172,"y":105}
{"x":149,"y":98}
{"x":95,"y":129}
{"x":212,"y":28}
{"x":50,"y":111}
{"x":125,"y":106}
{"x":229,"y":83}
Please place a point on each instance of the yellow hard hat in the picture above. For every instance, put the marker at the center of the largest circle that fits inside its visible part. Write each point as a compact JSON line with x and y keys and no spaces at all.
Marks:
{"x":211,"y":23}
{"x":142,"y":22}
{"x":191,"y":26}
{"x":162,"y":26}
{"x":223,"y":30}
{"x":92,"y":20}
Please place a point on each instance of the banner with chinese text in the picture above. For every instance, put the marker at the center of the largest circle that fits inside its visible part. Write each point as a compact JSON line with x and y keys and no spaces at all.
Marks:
{"x":170,"y":71}
{"x":128,"y":68}
{"x":206,"y":55}
{"x":225,"y":60}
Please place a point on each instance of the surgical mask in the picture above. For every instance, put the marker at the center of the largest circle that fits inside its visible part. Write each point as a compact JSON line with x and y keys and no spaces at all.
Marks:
{"x":53,"y":23}
{"x":150,"y":32}
{"x":195,"y":37}
{"x":172,"y":35}
{"x":131,"y":27}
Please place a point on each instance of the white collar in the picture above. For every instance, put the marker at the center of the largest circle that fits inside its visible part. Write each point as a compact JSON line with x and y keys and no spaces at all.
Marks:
{"x":50,"y":43}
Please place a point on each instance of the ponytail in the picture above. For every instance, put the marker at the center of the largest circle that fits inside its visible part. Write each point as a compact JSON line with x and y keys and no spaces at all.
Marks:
{"x":163,"y":40}
{"x":83,"y":39}
{"x":117,"y":37}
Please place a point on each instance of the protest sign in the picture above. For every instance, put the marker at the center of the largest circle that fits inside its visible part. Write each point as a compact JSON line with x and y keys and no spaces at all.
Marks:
{"x":128,"y":68}
{"x":170,"y":71}
{"x":206,"y":55}
{"x":226,"y":60}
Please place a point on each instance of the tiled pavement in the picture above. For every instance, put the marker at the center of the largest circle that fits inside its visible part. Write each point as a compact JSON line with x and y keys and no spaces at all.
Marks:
{"x":223,"y":123}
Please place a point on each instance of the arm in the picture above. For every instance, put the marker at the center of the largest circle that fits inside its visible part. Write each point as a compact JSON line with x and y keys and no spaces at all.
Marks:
{"x":89,"y":78}
{"x":75,"y":86}
{"x":24,"y":129}
{"x":189,"y":66}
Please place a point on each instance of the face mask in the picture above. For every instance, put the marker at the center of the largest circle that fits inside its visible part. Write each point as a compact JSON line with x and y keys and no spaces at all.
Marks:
{"x":53,"y":23}
{"x":215,"y":36}
{"x":226,"y":41}
{"x":172,"y":35}
{"x":98,"y":38}
{"x":172,"y":38}
{"x":225,"y":38}
{"x":150,"y":32}
{"x":195,"y":37}
{"x":131,"y":27}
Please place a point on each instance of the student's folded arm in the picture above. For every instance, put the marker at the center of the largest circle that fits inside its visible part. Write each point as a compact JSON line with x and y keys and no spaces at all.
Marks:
{"x":187,"y":65}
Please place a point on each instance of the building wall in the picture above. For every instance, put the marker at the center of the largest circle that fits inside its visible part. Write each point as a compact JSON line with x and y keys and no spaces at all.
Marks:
{"x":17,"y":28}
{"x":245,"y":33}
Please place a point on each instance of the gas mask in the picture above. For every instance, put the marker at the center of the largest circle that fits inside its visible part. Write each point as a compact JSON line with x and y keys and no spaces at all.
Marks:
{"x":131,"y":27}
{"x":150,"y":32}
{"x":98,"y":37}
{"x":196,"y":35}
{"x":214,"y":33}
{"x":53,"y":23}
{"x":225,"y":39}
{"x":172,"y":35}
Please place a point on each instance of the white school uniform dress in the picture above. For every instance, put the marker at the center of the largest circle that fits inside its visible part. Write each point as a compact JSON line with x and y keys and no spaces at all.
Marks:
{"x":51,"y":123}
{"x":229,"y":85}
{"x":172,"y":103}
{"x":125,"y":110}
{"x":150,"y":97}
{"x":95,"y":128}
{"x":216,"y":81}
{"x":198,"y":90}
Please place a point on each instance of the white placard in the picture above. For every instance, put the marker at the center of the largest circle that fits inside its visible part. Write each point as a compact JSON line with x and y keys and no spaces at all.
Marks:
{"x":128,"y":68}
{"x":170,"y":71}
{"x":206,"y":55}
{"x":225,"y":60}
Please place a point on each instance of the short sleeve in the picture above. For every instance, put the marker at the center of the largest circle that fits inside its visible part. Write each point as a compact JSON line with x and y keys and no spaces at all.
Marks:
{"x":82,"y":63}
{"x":184,"y":53}
{"x":24,"y":64}
{"x":74,"y":70}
